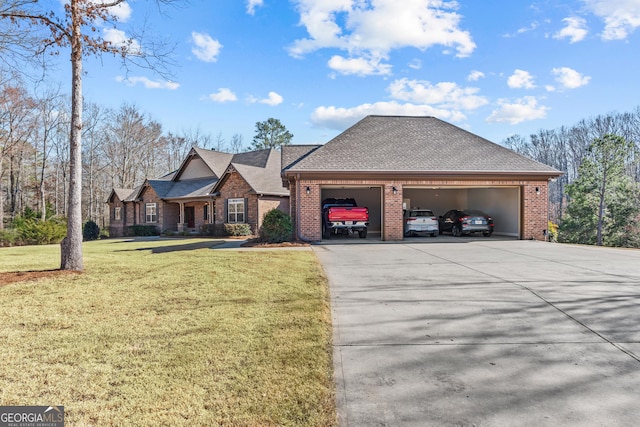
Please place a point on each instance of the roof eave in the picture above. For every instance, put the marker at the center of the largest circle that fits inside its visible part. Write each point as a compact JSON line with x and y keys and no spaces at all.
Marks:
{"x":434,"y":174}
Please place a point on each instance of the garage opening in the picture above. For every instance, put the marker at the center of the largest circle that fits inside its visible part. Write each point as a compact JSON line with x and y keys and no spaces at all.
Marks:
{"x":502,"y":203}
{"x":371,"y":197}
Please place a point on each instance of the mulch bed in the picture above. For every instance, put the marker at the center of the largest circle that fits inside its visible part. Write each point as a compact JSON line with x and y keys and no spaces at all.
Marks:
{"x":254,"y":243}
{"x":25,"y":276}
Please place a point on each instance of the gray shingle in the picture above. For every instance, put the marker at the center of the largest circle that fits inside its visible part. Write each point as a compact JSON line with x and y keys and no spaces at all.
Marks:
{"x":414,"y":144}
{"x":190,"y":188}
{"x":266,"y":179}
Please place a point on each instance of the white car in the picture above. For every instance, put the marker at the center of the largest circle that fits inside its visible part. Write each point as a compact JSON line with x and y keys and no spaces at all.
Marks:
{"x":420,"y":221}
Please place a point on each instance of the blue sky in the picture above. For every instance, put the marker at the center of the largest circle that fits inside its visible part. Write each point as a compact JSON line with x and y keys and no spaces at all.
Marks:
{"x":494,"y":68}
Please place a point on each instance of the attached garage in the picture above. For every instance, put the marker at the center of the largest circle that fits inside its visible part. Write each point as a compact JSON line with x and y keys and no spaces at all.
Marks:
{"x":387,"y":162}
{"x":371,"y":197}
{"x":504,"y":204}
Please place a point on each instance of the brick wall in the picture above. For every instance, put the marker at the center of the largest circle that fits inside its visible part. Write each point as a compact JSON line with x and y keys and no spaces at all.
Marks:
{"x":266,"y":204}
{"x":235,"y":187}
{"x":116,"y":228}
{"x":392,"y":226}
{"x":536,"y":207}
{"x":309,"y":224}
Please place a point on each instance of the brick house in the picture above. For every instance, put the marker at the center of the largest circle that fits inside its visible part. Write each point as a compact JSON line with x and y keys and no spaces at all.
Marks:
{"x":210,"y":187}
{"x":391,"y":163}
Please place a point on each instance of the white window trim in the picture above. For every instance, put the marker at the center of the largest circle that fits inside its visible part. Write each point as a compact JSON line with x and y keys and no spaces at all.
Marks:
{"x":117,"y":213}
{"x":153,"y":216}
{"x":238,"y":202}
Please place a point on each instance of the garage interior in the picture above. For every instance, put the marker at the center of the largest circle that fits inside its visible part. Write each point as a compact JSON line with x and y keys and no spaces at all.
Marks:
{"x":364,"y":196}
{"x":502,"y":203}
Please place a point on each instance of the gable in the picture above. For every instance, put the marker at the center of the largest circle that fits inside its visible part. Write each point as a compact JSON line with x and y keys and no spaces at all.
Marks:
{"x":196,"y":168}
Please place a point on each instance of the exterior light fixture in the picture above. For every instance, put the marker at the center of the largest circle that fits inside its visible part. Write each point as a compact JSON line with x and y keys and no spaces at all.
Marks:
{"x":395,"y":190}
{"x":538,"y":190}
{"x":308,"y":190}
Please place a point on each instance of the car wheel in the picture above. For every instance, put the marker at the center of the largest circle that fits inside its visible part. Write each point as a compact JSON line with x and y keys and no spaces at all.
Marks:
{"x":487,"y":233}
{"x":434,"y":234}
{"x":327,"y":233}
{"x":362,"y":233}
{"x":455,"y":231}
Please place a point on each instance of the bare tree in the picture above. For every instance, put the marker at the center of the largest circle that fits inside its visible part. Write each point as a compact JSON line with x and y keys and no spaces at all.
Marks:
{"x":131,"y":143}
{"x":16,"y":115}
{"x":237,"y":145}
{"x":76,"y":29}
{"x":49,"y":119}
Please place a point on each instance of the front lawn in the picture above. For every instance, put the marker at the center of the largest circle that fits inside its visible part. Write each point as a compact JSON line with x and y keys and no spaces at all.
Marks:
{"x":168,"y":332}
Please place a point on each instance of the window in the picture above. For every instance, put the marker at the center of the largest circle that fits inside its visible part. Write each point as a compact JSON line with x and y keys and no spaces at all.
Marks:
{"x":152,"y":212}
{"x":235,"y":211}
{"x":206,"y":212}
{"x":117,"y":213}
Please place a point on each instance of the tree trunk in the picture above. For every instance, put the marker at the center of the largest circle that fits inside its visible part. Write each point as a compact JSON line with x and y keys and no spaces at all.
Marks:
{"x":71,"y":246}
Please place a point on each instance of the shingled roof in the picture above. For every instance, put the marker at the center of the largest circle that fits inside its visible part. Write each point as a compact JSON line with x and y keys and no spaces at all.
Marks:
{"x":260,"y":169}
{"x":414,"y":144}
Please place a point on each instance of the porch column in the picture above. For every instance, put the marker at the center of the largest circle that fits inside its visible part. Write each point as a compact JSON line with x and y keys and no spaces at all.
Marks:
{"x":211,"y":219}
{"x":181,"y":226}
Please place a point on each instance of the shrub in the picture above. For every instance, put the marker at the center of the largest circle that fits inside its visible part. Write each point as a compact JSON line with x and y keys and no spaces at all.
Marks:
{"x":35,"y":232}
{"x":9,"y":237}
{"x":217,"y":230}
{"x":552,"y":231}
{"x":90,"y":231}
{"x":276,"y":227}
{"x":143,"y":230}
{"x":237,"y":229}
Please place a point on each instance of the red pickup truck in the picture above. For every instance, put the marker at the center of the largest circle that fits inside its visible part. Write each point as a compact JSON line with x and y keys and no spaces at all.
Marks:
{"x":344,"y":216}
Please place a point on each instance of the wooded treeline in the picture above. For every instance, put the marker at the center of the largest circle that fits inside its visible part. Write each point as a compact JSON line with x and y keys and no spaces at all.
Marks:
{"x":121,"y":147}
{"x":124,"y":146}
{"x":565,"y":149}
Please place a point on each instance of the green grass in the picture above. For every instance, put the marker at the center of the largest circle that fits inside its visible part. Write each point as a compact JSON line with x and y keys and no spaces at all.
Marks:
{"x":169,"y":332}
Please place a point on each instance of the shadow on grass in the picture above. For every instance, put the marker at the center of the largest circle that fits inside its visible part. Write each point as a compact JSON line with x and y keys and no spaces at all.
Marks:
{"x":178,"y":247}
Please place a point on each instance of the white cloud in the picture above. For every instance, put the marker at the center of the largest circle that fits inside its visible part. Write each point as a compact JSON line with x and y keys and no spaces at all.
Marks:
{"x":521,"y":79}
{"x":206,"y":48}
{"x":445,"y":100}
{"x":569,"y":78}
{"x":358,"y":66}
{"x":121,"y":11}
{"x":223,"y":95}
{"x":252,"y":4}
{"x":621,"y":17}
{"x":575,"y":30}
{"x":372,"y":29}
{"x":445,"y":95}
{"x":523,"y":109}
{"x":475,"y":75}
{"x":119,"y":39}
{"x":272,"y":99}
{"x":415,"y":64}
{"x":341,"y":118}
{"x":148,"y":83}
{"x":523,"y":30}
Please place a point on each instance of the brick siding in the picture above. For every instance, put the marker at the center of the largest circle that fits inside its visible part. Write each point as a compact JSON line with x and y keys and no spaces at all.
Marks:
{"x":308,"y":226}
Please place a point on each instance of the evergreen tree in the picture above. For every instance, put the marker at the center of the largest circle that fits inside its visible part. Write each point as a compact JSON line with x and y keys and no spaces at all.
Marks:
{"x":603,"y":203}
{"x":271,"y":134}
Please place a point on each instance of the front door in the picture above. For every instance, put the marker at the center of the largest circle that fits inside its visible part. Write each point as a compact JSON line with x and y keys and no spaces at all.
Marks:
{"x":190,"y":216}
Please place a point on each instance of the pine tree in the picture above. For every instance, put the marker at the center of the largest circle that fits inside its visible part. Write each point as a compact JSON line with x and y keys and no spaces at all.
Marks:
{"x":603,"y":204}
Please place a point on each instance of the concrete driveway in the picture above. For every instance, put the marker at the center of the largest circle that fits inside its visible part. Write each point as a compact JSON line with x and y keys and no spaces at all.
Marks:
{"x":484,"y":332}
